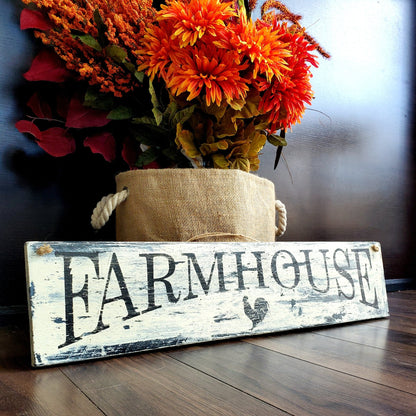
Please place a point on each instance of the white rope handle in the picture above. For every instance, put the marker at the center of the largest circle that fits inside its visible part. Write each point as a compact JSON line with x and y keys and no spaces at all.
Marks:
{"x":282,"y":220}
{"x":105,"y":208}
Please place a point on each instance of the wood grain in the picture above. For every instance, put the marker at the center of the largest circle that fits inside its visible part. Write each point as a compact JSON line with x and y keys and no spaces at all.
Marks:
{"x":386,"y":367}
{"x":39,"y":393}
{"x":399,"y":323}
{"x":161,"y":386}
{"x":294,"y":385}
{"x":375,"y":336}
{"x":404,"y":309}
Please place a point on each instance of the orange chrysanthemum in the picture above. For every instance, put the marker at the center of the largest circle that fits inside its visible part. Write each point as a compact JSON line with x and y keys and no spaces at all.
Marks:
{"x":224,"y":81}
{"x":207,"y":70}
{"x":157,"y":50}
{"x":286,"y":98}
{"x":193,"y":19}
{"x":262,"y":46}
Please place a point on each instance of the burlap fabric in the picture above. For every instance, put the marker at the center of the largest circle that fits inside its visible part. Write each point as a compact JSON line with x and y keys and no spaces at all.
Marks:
{"x":195,"y":205}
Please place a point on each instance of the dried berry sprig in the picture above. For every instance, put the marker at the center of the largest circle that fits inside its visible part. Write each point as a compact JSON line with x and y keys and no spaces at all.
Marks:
{"x":285,"y":14}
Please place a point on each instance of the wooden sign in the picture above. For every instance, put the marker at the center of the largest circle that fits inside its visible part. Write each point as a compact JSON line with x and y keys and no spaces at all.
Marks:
{"x":93,"y":300}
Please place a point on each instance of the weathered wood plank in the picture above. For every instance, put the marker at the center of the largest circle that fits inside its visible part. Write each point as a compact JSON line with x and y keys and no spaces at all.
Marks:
{"x":35,"y":392}
{"x":391,"y":369}
{"x":374,"y":336}
{"x":404,"y":309}
{"x":156,"y":384}
{"x":91,"y":300}
{"x":406,"y":321}
{"x":294,"y":385}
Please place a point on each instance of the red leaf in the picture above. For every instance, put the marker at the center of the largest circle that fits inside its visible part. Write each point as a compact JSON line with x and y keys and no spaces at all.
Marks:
{"x":129,"y":152}
{"x":41,"y":109}
{"x":62,"y":105}
{"x":47,"y":66}
{"x":80,"y":117}
{"x":102,"y":143}
{"x":152,"y":165}
{"x":57,"y":142}
{"x":34,"y":19}
{"x":26,"y":126}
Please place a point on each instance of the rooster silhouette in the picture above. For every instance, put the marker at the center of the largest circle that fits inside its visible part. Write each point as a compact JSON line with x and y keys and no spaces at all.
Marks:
{"x":256,"y":314}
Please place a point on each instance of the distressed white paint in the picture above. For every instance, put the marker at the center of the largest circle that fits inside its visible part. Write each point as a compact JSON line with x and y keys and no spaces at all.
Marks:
{"x":305,"y":284}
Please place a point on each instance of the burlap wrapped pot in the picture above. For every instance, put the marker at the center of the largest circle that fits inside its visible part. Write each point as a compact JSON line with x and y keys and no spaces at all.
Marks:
{"x":192,"y":205}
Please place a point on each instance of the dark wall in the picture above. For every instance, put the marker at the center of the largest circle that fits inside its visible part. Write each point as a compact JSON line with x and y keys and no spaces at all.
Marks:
{"x":42,"y":198}
{"x":347,"y":173}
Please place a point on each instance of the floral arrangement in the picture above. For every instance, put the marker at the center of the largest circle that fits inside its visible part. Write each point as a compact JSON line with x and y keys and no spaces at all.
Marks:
{"x":196,"y":83}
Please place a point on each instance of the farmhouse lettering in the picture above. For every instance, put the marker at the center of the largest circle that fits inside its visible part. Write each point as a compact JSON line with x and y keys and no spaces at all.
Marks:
{"x":90,"y":300}
{"x":347,"y":265}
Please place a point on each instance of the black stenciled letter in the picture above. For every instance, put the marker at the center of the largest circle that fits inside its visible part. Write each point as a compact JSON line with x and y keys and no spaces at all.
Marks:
{"x":241,"y":268}
{"x":294,"y":264}
{"x":150,"y":260}
{"x":218,"y":259}
{"x":343,"y":273}
{"x":70,"y":337}
{"x":131,"y":311}
{"x":362,"y":277}
{"x":311,"y":279}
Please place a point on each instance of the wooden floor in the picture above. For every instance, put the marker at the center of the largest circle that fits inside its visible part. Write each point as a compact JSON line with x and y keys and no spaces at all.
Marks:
{"x":358,"y":369}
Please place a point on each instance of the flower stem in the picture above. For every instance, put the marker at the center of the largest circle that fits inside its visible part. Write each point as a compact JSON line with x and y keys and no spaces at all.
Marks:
{"x":279,"y":149}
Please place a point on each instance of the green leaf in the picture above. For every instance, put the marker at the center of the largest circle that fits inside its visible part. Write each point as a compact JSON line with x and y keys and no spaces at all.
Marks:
{"x":183,"y":115}
{"x":241,"y":4}
{"x":149,"y":156}
{"x":171,"y":153}
{"x":139,"y":75}
{"x":120,"y":113}
{"x":153,"y":95}
{"x":101,"y":27}
{"x":116,"y":52}
{"x":156,"y":106}
{"x":144,"y":120}
{"x":98,"y":19}
{"x":158,"y":116}
{"x":129,"y":66}
{"x":276,"y":140}
{"x":88,"y":40}
{"x":150,"y":135}
{"x":98,"y":100}
{"x":171,"y":110}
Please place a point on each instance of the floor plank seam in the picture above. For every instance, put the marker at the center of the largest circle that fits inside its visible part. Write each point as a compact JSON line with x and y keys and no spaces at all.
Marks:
{"x":379,"y":327}
{"x":354,"y":342}
{"x":83,"y":393}
{"x":232,"y":386}
{"x":373,"y":322}
{"x":337,"y":371}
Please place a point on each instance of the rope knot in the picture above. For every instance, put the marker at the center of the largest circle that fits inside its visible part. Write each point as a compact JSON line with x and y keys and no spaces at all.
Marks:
{"x":105,"y":208}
